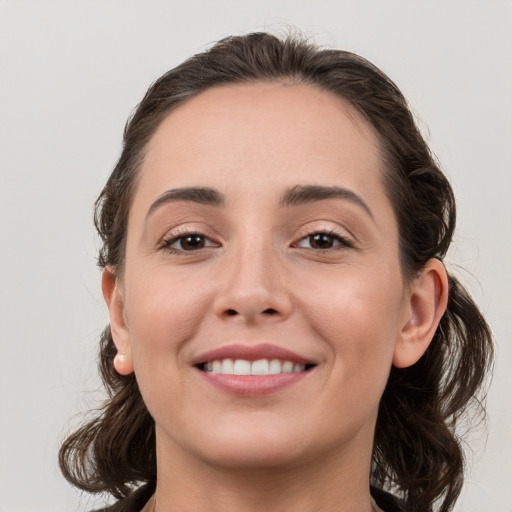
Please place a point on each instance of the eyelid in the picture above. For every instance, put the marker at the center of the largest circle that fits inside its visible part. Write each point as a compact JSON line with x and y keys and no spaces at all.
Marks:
{"x":169,"y":242}
{"x":347,"y":241}
{"x":175,"y":234}
{"x":342,"y":241}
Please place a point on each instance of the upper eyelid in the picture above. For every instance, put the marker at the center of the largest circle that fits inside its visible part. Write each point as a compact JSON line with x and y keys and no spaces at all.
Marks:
{"x":177,"y":232}
{"x":309,"y":229}
{"x":171,"y":238}
{"x":167,"y":242}
{"x":328,"y":226}
{"x":323,"y":226}
{"x":189,"y":229}
{"x":345,"y":240}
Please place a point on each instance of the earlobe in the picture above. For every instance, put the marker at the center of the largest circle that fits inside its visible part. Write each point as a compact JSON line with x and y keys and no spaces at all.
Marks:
{"x":427,"y":300}
{"x":120,"y":333}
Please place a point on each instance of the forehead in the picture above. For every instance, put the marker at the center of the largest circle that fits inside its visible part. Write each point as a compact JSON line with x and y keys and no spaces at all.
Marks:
{"x":235,"y":134}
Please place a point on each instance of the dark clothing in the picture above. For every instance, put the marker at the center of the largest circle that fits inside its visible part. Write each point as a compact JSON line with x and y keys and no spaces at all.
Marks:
{"x":134,"y":502}
{"x":137,"y":499}
{"x":386,"y":501}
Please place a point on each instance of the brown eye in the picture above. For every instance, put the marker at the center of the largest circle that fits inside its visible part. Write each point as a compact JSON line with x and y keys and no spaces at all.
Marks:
{"x":324,"y":241}
{"x":321,"y":241}
{"x":188,"y":243}
{"x":191,"y":242}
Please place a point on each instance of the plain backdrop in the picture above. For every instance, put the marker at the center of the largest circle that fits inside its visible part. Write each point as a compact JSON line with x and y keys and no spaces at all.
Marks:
{"x":70,"y":74}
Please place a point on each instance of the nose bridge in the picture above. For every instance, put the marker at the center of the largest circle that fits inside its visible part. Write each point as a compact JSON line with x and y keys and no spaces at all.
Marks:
{"x":253,"y":282}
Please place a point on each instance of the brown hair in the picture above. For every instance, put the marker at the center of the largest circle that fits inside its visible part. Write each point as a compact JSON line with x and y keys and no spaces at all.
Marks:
{"x":416,"y":451}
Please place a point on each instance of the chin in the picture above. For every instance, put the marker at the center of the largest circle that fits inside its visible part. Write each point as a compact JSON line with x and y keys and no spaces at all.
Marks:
{"x":251,"y":454}
{"x":247,"y":444}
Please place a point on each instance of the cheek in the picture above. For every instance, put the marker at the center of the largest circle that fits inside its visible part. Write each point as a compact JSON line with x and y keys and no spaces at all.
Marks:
{"x":163,"y":311}
{"x":357,"y":315}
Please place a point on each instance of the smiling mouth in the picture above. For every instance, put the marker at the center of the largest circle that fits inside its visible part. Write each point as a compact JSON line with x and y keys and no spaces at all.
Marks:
{"x":259,"y":367}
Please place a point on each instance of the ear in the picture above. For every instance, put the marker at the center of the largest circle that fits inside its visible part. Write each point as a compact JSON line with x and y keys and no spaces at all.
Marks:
{"x":426,"y":303}
{"x":120,"y":333}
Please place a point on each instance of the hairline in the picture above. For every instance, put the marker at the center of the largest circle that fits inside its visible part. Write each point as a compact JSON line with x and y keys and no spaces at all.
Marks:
{"x":356,"y":114}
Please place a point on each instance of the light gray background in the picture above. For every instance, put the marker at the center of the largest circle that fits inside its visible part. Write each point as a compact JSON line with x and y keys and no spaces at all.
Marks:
{"x":72,"y":71}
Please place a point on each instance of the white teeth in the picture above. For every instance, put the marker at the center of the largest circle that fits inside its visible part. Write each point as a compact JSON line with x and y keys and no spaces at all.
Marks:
{"x":274,"y":367}
{"x":258,"y":367}
{"x":287,"y":367}
{"x":242,"y":367}
{"x":226,"y":366}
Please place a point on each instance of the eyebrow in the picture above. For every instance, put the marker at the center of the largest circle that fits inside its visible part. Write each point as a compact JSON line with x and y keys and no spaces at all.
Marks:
{"x":301,"y":194}
{"x":201,"y":195}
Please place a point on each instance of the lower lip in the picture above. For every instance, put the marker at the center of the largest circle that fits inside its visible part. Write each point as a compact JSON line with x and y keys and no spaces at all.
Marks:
{"x":253,"y":385}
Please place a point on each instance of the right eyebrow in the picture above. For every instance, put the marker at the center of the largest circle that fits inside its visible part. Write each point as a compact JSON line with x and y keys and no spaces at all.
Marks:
{"x":201,"y":195}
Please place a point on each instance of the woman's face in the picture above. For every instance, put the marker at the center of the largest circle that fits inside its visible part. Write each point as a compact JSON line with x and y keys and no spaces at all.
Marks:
{"x":260,"y":239}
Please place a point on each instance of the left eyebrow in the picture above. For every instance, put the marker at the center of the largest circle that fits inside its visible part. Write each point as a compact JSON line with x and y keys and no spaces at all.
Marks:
{"x":300,"y":194}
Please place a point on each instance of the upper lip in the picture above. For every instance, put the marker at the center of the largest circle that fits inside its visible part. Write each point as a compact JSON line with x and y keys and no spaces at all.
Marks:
{"x":251,"y":353}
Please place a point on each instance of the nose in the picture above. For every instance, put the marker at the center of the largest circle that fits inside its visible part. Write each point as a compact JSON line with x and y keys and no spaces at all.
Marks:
{"x":253,"y":287}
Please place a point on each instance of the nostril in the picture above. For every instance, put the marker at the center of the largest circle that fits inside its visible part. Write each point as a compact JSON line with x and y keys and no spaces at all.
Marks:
{"x":266,"y":312}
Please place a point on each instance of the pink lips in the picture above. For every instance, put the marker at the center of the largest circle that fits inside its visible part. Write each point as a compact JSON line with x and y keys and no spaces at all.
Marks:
{"x":252,"y":385}
{"x":251,"y":353}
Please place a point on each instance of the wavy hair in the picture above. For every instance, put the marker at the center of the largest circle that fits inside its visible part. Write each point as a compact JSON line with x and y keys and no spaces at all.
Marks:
{"x":416,"y":452}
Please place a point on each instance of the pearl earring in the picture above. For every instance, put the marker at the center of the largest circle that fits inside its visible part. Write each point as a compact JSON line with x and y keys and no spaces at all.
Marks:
{"x":119,"y":361}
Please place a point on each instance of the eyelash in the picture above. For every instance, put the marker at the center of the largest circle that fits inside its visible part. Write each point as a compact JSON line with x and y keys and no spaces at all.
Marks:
{"x":167,"y":243}
{"x":343,"y":242}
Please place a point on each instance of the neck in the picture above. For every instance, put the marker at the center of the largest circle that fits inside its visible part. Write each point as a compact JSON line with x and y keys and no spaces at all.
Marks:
{"x":332,"y":482}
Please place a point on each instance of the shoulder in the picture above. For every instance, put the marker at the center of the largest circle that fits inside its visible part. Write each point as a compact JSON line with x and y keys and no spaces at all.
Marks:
{"x":134,"y":502}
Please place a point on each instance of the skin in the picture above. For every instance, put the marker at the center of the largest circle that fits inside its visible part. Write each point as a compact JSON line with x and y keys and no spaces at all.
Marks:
{"x":259,"y":280}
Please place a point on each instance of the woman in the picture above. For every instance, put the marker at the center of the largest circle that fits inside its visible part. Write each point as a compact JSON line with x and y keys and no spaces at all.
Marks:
{"x":283,"y":332}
